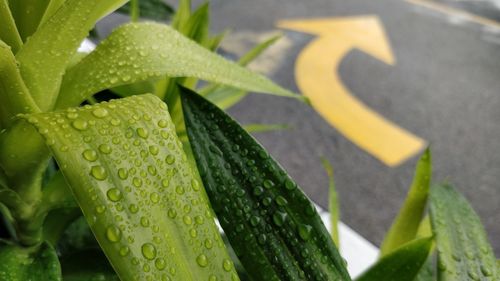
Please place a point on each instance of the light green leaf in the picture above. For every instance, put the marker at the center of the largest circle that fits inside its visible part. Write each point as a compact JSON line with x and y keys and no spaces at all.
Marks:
{"x":333,"y":202}
{"x":8,"y":32}
{"x":464,"y":253}
{"x":224,"y":96}
{"x":402,"y":264}
{"x":27,"y":15}
{"x":14,"y":95}
{"x":45,"y":56}
{"x":260,"y":128}
{"x":38,"y":263}
{"x":52,"y":7}
{"x":405,"y":226}
{"x":138,"y":52}
{"x":131,"y":178}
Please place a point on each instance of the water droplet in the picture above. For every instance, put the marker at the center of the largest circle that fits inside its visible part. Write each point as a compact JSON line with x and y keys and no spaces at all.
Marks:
{"x":227,"y":265}
{"x":143,"y":133}
{"x":100,"y":112}
{"x":90,"y":155}
{"x":290,"y":185}
{"x":133,"y":208}
{"x":122,"y":173}
{"x":124,"y":250}
{"x":279,"y":218}
{"x":155,"y":198}
{"x":80,"y":124}
{"x":162,"y":123}
{"x":148,"y":251}
{"x":113,"y":234}
{"x":104,"y":148}
{"x":99,"y":173}
{"x":114,"y":194}
{"x":170,"y":159}
{"x":208,"y":243}
{"x":153,"y":150}
{"x":268,"y":184}
{"x":160,"y":263}
{"x":305,"y":231}
{"x":180,"y":190}
{"x":202,"y":260}
{"x":100,"y":209}
{"x":144,"y":221}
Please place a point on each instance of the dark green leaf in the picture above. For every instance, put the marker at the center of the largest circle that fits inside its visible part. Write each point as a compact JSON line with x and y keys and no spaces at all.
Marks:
{"x":464,"y":253}
{"x":271,"y":224}
{"x":39,"y":263}
{"x":129,"y":174}
{"x":151,"y":9}
{"x":87,"y":265}
{"x":8,"y":32}
{"x":402,"y":264}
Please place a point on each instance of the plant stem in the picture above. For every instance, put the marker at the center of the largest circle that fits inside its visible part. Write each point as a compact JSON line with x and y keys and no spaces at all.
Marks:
{"x":134,"y":10}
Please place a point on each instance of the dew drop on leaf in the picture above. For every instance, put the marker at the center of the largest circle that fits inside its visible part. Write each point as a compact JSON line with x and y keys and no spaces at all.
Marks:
{"x":99,"y":173}
{"x":113,"y":234}
{"x":114,"y":194}
{"x":90,"y":155}
{"x":80,"y":124}
{"x":148,"y":251}
{"x":100,"y":112}
{"x":202,"y":260}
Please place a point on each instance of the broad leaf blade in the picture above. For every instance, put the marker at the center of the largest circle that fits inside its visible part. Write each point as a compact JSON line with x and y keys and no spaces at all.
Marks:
{"x":138,"y":52}
{"x":404,"y":263}
{"x":27,"y":15}
{"x":36,"y":264}
{"x":463,"y":249}
{"x":405,"y":226}
{"x":131,"y":178}
{"x":272,"y":226}
{"x":9,"y":33}
{"x":45,"y":56}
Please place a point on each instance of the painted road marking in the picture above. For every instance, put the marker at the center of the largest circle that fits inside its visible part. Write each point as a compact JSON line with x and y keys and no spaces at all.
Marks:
{"x":456,"y":12}
{"x":313,"y":72}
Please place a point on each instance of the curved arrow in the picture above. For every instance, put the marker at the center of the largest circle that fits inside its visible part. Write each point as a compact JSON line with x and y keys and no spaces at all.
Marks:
{"x":363,"y":126}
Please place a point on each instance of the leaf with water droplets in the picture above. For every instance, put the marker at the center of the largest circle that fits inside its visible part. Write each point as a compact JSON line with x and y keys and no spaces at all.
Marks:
{"x":142,"y":51}
{"x":44,"y":57}
{"x":271,"y":224}
{"x":39,"y":263}
{"x":464,"y":253}
{"x":405,"y":225}
{"x":131,"y":178}
{"x":403,"y":263}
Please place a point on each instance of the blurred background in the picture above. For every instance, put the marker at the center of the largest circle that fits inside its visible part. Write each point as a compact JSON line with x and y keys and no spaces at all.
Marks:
{"x":429,"y":69}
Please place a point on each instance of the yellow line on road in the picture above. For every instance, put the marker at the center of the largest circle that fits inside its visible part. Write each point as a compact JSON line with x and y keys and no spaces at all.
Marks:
{"x":457,"y":12}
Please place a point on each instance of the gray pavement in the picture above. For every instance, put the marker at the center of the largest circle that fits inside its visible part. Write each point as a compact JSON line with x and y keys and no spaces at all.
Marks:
{"x":444,"y":88}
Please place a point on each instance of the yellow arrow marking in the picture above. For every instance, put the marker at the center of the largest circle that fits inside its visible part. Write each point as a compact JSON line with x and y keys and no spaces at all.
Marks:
{"x":363,"y":126}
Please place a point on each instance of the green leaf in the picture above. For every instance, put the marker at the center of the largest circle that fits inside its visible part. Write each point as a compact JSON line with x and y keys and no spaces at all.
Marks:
{"x":44,"y":57}
{"x":8,"y":32}
{"x":130,"y":176}
{"x":463,"y":249}
{"x":333,"y":202}
{"x":225,"y":97}
{"x":95,"y":267}
{"x":405,"y":226}
{"x":27,"y":15}
{"x":271,"y":224}
{"x":428,"y":270}
{"x":260,"y":128}
{"x":404,"y":263}
{"x":138,"y":52}
{"x":151,"y":9}
{"x":14,"y":95}
{"x":36,"y":264}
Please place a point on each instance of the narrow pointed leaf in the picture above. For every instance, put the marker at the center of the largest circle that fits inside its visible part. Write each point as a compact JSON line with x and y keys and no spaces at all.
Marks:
{"x":151,"y":9}
{"x":271,"y":224}
{"x":405,"y":226}
{"x":333,"y":202}
{"x":27,"y":15}
{"x":9,"y":33}
{"x":141,"y":51}
{"x":44,"y":57}
{"x":463,"y":249}
{"x":35,"y":264}
{"x":261,"y":128}
{"x":404,"y":263}
{"x":130,"y":176}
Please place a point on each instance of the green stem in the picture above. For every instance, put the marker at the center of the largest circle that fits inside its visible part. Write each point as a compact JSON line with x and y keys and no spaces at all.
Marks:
{"x":134,"y":10}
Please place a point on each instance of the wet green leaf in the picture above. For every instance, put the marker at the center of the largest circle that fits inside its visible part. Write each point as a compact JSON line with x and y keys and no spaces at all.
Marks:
{"x":8,"y":32}
{"x":35,"y":264}
{"x":96,"y":267}
{"x":131,"y":178}
{"x":271,"y":224}
{"x":402,"y":264}
{"x":405,"y":226}
{"x":43,"y":59}
{"x":463,"y":249}
{"x":138,"y":52}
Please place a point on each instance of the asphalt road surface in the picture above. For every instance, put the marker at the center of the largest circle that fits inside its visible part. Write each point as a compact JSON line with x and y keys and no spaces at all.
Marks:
{"x":444,"y":88}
